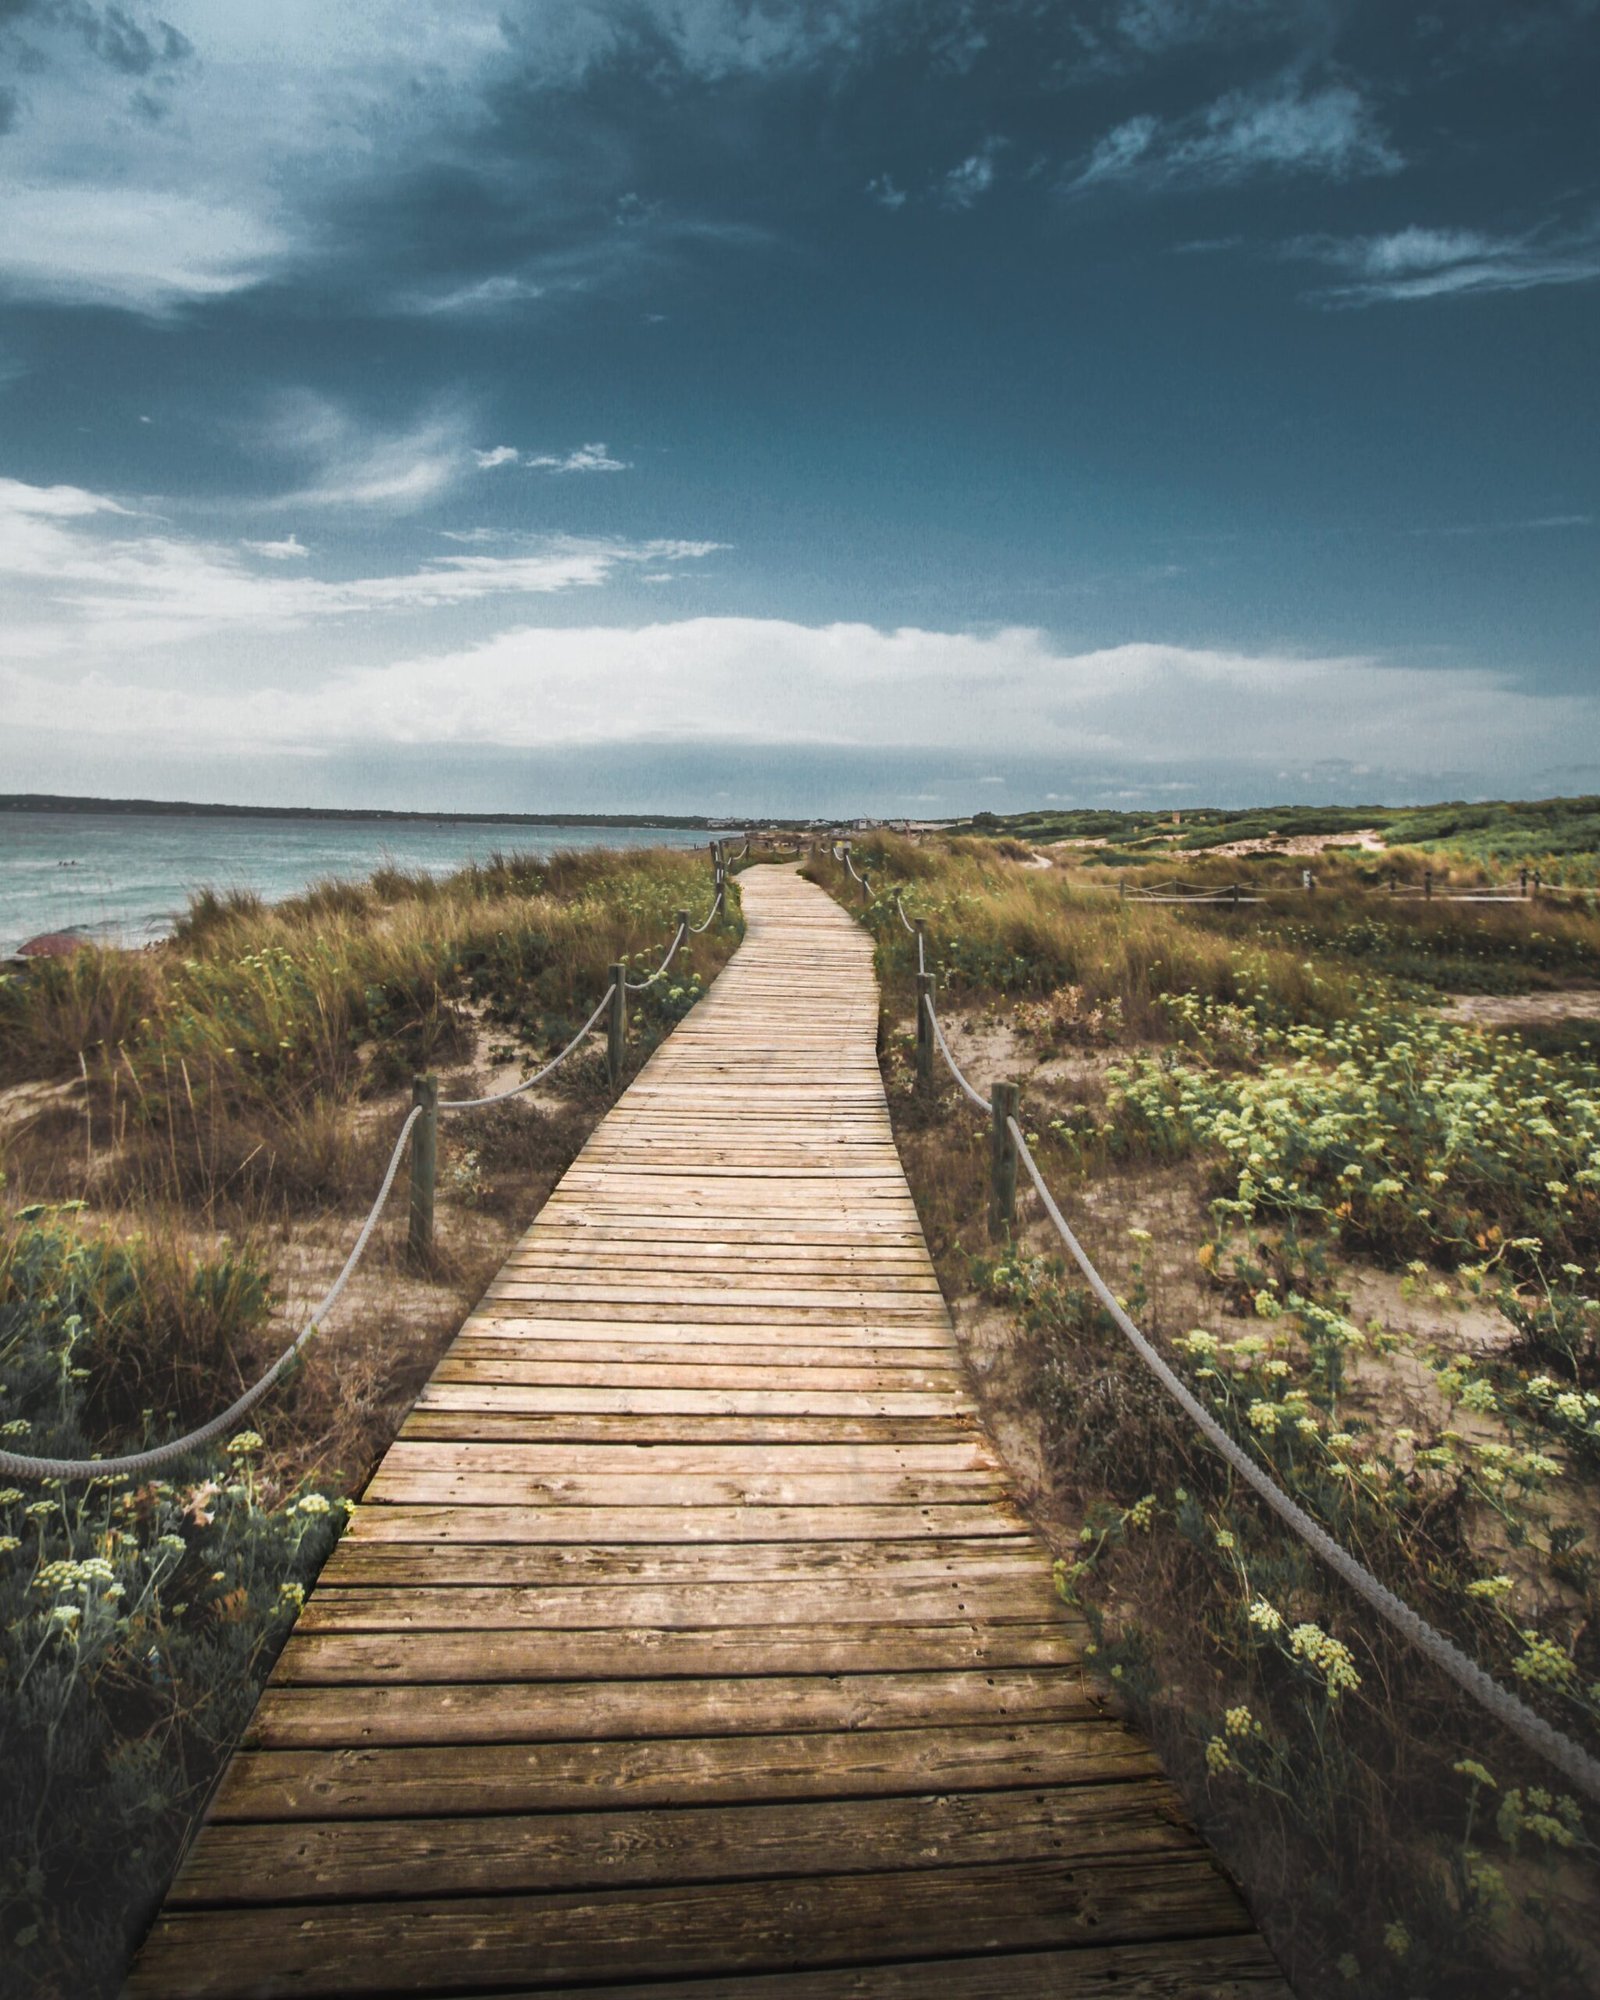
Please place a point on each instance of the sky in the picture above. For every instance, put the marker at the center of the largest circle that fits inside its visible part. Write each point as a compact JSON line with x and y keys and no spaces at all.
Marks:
{"x":802,"y":407}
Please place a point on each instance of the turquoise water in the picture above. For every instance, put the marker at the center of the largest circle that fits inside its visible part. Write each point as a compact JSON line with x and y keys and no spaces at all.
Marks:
{"x":122,"y":878}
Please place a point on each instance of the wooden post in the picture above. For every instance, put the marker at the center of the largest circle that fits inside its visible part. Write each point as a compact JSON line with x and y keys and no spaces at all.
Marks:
{"x":1234,"y":894}
{"x":1003,"y":1100}
{"x":1427,"y":885}
{"x":617,"y":1025}
{"x":1122,"y":888}
{"x":924,"y":1032}
{"x":683,"y":924}
{"x":424,"y":1165}
{"x":1522,"y":878}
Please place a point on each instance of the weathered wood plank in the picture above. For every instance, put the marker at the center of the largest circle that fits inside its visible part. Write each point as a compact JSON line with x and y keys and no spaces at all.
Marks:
{"x":323,"y":1717}
{"x":774,"y":1565}
{"x":421,"y":1607}
{"x":346,"y":1860}
{"x":767,"y":1926}
{"x":419,"y":1658}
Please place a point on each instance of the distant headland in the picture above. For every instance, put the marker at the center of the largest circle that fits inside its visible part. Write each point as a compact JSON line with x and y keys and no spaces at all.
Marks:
{"x":56,"y":802}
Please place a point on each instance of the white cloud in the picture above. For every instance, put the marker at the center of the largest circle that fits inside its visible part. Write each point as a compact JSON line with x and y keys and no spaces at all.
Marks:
{"x":486,"y":295}
{"x":884,"y":192}
{"x":587,"y":458}
{"x":351,"y":463}
{"x":966,"y":183}
{"x":502,"y":454}
{"x":148,"y":249}
{"x":1117,"y":152}
{"x":711,"y":680}
{"x":1422,"y":263}
{"x":1331,"y":132}
{"x":78,"y":578}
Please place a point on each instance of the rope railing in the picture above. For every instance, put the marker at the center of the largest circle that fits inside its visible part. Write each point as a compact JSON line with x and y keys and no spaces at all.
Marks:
{"x":640,"y":985}
{"x":954,"y":1067}
{"x":19,"y":1465}
{"x":1570,"y":1758}
{"x":528,"y":1082}
{"x":16,"y":1465}
{"x":710,"y":917}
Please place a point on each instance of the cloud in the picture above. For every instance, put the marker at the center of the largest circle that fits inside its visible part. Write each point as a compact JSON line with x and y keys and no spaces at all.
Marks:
{"x":1118,"y":152}
{"x":966,"y":184}
{"x":81,"y":243}
{"x":1423,"y":263}
{"x":884,"y":192}
{"x":1331,"y":132}
{"x":80,"y":579}
{"x":587,"y":458}
{"x":349,"y":462}
{"x":290,"y":549}
{"x":501,"y":454}
{"x":494,"y":294}
{"x":1159,"y":710}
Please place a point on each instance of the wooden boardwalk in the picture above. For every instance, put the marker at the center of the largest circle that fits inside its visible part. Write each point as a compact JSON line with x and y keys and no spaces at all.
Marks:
{"x":686,"y":1641}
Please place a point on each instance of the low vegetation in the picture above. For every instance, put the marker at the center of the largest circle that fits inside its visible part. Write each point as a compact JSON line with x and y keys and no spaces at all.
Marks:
{"x":188,"y":1139}
{"x":1367,"y":1232}
{"x":1560,"y":837}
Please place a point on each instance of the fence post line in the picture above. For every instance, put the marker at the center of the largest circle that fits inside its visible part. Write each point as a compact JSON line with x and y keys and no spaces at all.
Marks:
{"x":617,"y":1025}
{"x":1003,"y":1101}
{"x":924,"y":1032}
{"x":424,"y":1165}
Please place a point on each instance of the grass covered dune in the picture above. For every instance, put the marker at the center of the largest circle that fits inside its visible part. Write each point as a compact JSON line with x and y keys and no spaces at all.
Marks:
{"x":1340,"y":1154}
{"x":189,"y":1139}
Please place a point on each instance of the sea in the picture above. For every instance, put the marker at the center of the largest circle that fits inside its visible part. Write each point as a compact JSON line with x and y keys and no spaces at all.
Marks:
{"x":123,"y":878}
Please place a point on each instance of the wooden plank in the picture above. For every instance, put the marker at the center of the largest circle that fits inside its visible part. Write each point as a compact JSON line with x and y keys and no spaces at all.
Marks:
{"x":630,"y":1524}
{"x":709,"y":1402}
{"x":302,"y":1718}
{"x":470,"y":1362}
{"x":420,"y":1658}
{"x":346,"y":1860}
{"x":1204,"y":1968}
{"x":775,"y":1565}
{"x":421,"y":1607}
{"x":960,"y":1452}
{"x":600,"y":1426}
{"x":748,"y":1927}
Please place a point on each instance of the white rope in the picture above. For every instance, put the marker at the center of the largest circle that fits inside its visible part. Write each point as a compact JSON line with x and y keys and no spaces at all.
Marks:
{"x":639,"y":985}
{"x":527,"y":1083}
{"x":944,"y":1050}
{"x":18,"y":1466}
{"x":900,"y":911}
{"x":1570,"y":1758}
{"x":1220,"y":896}
{"x":696,"y":929}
